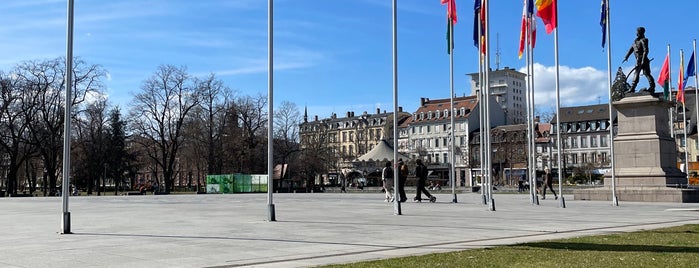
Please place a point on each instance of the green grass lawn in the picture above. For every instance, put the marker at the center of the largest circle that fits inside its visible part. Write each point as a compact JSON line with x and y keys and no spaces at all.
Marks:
{"x":669,"y":247}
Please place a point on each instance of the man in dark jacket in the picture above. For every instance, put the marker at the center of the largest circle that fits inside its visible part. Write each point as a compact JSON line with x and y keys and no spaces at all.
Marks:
{"x":421,"y":173}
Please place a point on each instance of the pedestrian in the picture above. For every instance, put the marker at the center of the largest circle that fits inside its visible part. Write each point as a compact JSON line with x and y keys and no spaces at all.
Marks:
{"x":548,"y":182}
{"x":402,"y":177}
{"x":387,"y":179}
{"x":421,"y":173}
{"x":520,"y":183}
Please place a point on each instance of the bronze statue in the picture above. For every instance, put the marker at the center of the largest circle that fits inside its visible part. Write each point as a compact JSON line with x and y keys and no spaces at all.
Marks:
{"x":640,"y":50}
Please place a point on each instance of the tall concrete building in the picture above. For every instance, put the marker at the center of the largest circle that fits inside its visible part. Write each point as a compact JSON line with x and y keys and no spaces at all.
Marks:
{"x":509,"y":87}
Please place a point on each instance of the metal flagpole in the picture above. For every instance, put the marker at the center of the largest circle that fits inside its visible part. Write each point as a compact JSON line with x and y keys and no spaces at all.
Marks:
{"x":696,"y":83}
{"x":396,"y":207}
{"x":530,"y":111}
{"x":684,"y":116}
{"x":562,"y":202}
{"x":482,"y":110}
{"x":65,"y":192}
{"x":270,"y":112}
{"x":451,"y":112}
{"x":669,"y":83}
{"x":486,"y":5}
{"x":615,"y":200}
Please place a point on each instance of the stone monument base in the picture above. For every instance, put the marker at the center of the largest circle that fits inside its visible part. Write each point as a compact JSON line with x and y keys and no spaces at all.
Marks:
{"x":645,"y":155}
{"x":640,"y":194}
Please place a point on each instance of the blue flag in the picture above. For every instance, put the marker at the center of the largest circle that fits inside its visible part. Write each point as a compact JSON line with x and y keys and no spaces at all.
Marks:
{"x":603,"y":21}
{"x":690,"y":69}
{"x":476,"y":22}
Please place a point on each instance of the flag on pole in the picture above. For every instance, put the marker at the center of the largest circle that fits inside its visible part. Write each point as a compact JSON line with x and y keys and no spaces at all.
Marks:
{"x":664,"y":76}
{"x":477,"y":25}
{"x":680,"y":81}
{"x":528,"y":30}
{"x":603,"y":21}
{"x":451,"y":20}
{"x":546,"y":10}
{"x":690,"y":69}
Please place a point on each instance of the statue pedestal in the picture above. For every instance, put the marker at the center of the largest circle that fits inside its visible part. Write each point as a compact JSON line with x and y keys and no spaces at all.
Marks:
{"x":645,"y":156}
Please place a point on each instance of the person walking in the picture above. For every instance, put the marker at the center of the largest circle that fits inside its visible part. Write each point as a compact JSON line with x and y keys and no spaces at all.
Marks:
{"x":402,"y":177}
{"x":387,"y":179}
{"x":421,"y":173}
{"x":548,"y":182}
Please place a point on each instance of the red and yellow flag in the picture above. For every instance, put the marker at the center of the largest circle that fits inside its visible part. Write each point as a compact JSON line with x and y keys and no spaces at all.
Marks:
{"x":546,"y":10}
{"x":680,"y":82}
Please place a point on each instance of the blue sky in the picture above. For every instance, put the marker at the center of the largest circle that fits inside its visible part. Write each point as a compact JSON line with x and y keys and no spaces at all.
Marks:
{"x":335,"y":55}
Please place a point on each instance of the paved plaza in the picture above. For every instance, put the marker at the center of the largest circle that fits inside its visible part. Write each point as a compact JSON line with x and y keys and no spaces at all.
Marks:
{"x":311,"y":229}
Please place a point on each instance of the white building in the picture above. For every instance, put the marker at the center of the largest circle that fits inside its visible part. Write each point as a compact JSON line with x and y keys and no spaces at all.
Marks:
{"x":508,"y":86}
{"x":427,"y":133}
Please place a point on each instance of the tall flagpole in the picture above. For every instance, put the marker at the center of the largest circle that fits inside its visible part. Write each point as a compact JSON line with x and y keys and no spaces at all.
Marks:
{"x":615,"y":200}
{"x":65,"y":192}
{"x":451,"y":112}
{"x":684,"y":116}
{"x":669,"y":83}
{"x":696,"y":83}
{"x":534,"y":199}
{"x":482,"y":110}
{"x":486,"y":5}
{"x":562,"y":202}
{"x":396,"y":206}
{"x":270,"y":126}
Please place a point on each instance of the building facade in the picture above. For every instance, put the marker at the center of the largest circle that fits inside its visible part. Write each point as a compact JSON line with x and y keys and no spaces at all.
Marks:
{"x":508,"y":87}
{"x":346,"y":138}
{"x":427,"y":134}
{"x":585,"y":139}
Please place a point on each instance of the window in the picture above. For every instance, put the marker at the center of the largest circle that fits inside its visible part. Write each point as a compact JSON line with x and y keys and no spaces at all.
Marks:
{"x":436,"y":142}
{"x":583,"y":157}
{"x":583,"y":142}
{"x":603,"y":157}
{"x":574,"y":142}
{"x":444,"y":127}
{"x":593,"y":141}
{"x":445,"y":142}
{"x":573,"y":158}
{"x":603,"y":141}
{"x":444,"y":156}
{"x":429,"y":128}
{"x":436,"y":113}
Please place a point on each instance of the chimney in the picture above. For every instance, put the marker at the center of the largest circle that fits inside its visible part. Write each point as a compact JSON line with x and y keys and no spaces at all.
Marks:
{"x":348,"y":114}
{"x":352,"y":113}
{"x":316,"y":117}
{"x":333,"y":116}
{"x":378,"y":110}
{"x":422,"y":102}
{"x":400,"y":109}
{"x":536,"y":119}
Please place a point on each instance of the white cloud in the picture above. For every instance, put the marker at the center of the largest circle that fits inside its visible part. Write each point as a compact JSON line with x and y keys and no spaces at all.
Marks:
{"x":578,"y":86}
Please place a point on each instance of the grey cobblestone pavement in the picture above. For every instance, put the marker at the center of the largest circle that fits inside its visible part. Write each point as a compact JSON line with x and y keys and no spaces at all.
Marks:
{"x":310,"y":229}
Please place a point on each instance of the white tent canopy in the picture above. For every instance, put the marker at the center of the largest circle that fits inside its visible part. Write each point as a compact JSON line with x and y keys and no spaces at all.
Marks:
{"x":382,"y":151}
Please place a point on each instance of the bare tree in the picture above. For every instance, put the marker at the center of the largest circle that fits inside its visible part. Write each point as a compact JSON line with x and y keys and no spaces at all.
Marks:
{"x":159,"y":113}
{"x":44,"y":81}
{"x":90,"y":148}
{"x":252,"y":119}
{"x":14,"y":129}
{"x":286,"y":135}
